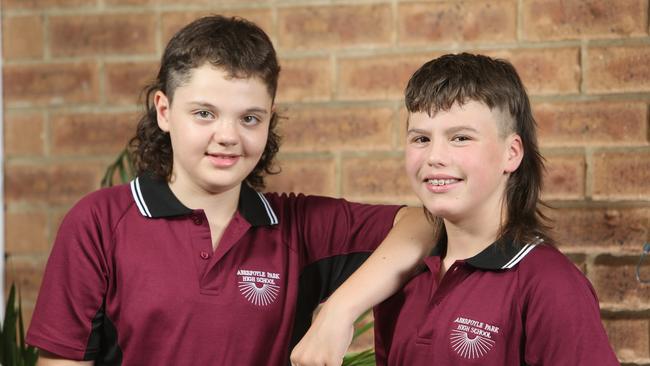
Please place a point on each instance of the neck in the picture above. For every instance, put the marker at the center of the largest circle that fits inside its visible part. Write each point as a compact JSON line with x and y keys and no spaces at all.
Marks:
{"x":219,"y":207}
{"x":463,"y":243}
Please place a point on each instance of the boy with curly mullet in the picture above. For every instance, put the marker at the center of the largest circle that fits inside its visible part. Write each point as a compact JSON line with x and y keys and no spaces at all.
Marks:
{"x":190,"y":264}
{"x":494,"y":290}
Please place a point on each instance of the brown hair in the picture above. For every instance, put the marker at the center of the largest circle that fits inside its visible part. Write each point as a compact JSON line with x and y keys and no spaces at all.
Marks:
{"x":459,"y":78}
{"x":235,"y":45}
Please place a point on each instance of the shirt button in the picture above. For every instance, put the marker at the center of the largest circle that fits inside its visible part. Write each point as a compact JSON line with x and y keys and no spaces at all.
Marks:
{"x":204,"y":255}
{"x":197,"y":220}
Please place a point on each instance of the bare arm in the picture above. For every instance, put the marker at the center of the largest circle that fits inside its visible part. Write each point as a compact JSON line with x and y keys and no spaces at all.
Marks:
{"x":385,"y":271}
{"x":48,"y":359}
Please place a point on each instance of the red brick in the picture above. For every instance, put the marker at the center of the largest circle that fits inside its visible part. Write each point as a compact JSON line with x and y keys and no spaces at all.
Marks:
{"x":56,"y":217}
{"x":305,"y":79}
{"x":380,"y":77}
{"x":377,"y":179}
{"x":615,"y":283}
{"x":132,"y":2}
{"x":45,"y":4}
{"x":52,"y":84}
{"x":74,"y":134}
{"x":327,"y":129}
{"x":546,"y":71}
{"x":305,"y":175}
{"x":22,"y":37}
{"x":23,"y":134}
{"x":316,"y":27}
{"x":26,"y":233}
{"x":621,"y":230}
{"x":90,"y":35}
{"x":457,"y":21}
{"x":565,"y":177}
{"x":592,"y":123}
{"x":172,"y":22}
{"x":579,"y":260}
{"x":126,"y":80}
{"x":402,"y":127}
{"x":618,"y":69}
{"x":26,"y":183}
{"x":53,"y":184}
{"x":557,"y":19}
{"x":629,"y":338}
{"x":27,"y":273}
{"x":622,"y":175}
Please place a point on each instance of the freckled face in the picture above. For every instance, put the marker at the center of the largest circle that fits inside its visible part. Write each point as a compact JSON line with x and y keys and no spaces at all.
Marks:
{"x":218,"y":127}
{"x":457,"y":162}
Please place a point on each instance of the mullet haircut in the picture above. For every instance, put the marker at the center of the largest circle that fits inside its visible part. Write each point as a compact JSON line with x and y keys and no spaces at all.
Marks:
{"x":235,"y":45}
{"x":460,"y":78}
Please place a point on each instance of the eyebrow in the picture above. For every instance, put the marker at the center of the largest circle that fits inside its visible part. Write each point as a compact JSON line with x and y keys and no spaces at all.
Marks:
{"x":417,"y":130}
{"x":461,"y":128}
{"x":257,"y":110}
{"x":207,"y":105}
{"x":447,"y":131}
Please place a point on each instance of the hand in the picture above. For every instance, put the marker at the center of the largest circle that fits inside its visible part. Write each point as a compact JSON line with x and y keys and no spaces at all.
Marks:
{"x":326,"y":341}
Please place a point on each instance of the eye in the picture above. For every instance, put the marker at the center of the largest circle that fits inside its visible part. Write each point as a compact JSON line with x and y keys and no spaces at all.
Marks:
{"x":204,"y":114}
{"x":251,"y":120}
{"x":460,"y":138}
{"x":419,"y":139}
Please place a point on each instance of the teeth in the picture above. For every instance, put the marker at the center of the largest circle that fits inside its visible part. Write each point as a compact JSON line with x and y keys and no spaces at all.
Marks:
{"x":441,"y":182}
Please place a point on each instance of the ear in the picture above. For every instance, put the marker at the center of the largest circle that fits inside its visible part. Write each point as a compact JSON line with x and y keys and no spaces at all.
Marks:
{"x":514,"y":153}
{"x":161,"y":102}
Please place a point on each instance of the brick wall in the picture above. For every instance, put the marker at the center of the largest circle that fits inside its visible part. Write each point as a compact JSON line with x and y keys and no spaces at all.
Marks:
{"x":73,"y":70}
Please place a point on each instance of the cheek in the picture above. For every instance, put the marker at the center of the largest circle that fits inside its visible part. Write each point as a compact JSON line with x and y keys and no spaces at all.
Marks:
{"x":413,"y":159}
{"x":255,"y":141}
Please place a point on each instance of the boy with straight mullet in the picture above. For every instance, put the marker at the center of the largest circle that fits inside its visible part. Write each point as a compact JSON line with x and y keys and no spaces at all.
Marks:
{"x":495,"y":290}
{"x":190,"y":264}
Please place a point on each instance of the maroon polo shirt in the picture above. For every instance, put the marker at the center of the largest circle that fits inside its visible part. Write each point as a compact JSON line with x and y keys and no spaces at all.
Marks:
{"x":132,"y":278}
{"x":515,"y":305}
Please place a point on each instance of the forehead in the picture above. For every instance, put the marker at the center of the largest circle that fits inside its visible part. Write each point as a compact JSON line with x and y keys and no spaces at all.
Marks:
{"x":210,"y":82}
{"x":472,"y":114}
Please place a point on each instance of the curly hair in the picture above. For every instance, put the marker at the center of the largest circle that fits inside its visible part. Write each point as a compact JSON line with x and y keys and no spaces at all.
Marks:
{"x":235,"y":45}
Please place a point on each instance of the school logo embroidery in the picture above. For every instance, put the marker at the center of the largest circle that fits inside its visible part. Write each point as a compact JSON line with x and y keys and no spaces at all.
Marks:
{"x":259,"y":287}
{"x":471,"y":338}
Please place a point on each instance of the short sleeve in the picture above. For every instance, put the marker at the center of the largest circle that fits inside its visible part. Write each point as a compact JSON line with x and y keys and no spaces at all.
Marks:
{"x":561,"y":315}
{"x":333,"y":237}
{"x":71,"y":298}
{"x":327,"y":227}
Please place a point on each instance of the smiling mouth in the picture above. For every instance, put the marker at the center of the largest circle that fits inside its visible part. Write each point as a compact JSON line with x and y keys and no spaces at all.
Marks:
{"x":222,"y":156}
{"x":441,"y":182}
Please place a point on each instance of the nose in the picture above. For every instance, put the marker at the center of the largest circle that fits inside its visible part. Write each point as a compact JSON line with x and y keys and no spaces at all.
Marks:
{"x":225,"y":133}
{"x":437,"y":154}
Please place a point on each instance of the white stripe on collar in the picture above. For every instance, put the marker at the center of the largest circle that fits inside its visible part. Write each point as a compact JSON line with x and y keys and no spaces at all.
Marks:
{"x":269,"y":210}
{"x":523,"y":252}
{"x":137,"y":197}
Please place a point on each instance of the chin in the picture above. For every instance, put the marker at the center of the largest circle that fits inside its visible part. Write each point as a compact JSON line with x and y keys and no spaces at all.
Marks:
{"x":220,"y":185}
{"x":438,"y":210}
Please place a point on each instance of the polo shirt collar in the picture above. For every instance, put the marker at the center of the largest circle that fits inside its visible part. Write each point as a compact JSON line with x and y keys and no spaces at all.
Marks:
{"x":502,"y":254}
{"x":155,"y":199}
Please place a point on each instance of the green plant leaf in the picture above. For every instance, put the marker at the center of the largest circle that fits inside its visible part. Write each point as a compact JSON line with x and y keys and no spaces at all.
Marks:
{"x":9,"y":330}
{"x":107,"y":180}
{"x":124,"y":176}
{"x":366,"y":327}
{"x":363,"y":358}
{"x":123,"y":165}
{"x":359,"y":330}
{"x":13,"y":349}
{"x":21,"y":326}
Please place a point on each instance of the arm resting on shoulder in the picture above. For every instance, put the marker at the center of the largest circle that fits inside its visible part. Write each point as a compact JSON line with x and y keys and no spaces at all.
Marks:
{"x":385,"y":271}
